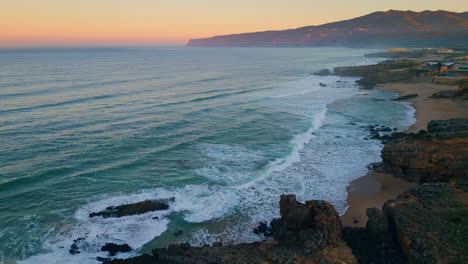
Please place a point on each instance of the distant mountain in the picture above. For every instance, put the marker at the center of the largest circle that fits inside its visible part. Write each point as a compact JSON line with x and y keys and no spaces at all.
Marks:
{"x":379,"y":29}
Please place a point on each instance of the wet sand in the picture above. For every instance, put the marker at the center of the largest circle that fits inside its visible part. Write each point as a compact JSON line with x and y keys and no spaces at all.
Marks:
{"x":374,"y":189}
{"x":428,"y":109}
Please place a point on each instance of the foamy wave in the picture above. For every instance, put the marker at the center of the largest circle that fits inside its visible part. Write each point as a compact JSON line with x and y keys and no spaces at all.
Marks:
{"x":306,"y":171}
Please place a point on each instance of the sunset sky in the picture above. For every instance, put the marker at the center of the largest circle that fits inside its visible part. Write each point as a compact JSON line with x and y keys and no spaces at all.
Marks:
{"x":130,"y":22}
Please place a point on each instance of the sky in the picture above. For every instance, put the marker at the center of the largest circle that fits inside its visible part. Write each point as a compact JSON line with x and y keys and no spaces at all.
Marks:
{"x":164,"y":22}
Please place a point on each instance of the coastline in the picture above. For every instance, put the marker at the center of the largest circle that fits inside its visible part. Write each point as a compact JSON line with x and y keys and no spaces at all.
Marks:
{"x":374,"y":188}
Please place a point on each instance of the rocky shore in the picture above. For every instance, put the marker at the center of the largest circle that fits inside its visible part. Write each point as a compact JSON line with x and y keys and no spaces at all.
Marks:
{"x":425,"y":224}
{"x":439,"y":154}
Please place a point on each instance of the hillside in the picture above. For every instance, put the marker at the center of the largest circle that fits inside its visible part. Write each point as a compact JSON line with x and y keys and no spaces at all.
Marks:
{"x":379,"y":29}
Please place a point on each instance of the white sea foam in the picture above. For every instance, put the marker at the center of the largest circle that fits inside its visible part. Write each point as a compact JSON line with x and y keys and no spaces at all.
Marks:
{"x":313,"y":170}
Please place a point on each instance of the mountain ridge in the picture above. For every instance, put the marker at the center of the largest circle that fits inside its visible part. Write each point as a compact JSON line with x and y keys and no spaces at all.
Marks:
{"x":382,"y":28}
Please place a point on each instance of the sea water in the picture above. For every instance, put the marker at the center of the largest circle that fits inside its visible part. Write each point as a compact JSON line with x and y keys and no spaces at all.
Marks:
{"x":225,"y":131}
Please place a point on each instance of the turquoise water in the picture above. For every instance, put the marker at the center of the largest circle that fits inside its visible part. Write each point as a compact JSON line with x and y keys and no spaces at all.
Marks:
{"x":223,"y":130}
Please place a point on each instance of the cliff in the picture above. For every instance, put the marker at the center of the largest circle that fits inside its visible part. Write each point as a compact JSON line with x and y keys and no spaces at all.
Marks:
{"x":438,"y":155}
{"x":379,"y":29}
{"x":427,"y":224}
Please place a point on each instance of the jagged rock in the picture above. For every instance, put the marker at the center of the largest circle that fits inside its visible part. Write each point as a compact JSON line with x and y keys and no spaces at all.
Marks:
{"x":77,"y":243}
{"x":444,"y":129}
{"x":74,"y":249}
{"x":439,"y":155}
{"x":131,"y":209}
{"x":315,"y":224}
{"x":113,"y":248}
{"x":426,"y":224}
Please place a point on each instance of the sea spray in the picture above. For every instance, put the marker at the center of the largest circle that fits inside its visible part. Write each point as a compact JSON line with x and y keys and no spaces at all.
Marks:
{"x":224,"y":141}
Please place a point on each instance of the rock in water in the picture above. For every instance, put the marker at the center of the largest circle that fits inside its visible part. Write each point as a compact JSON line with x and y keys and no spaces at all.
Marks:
{"x":131,"y":209}
{"x":113,"y":249}
{"x":405,"y":97}
{"x":311,"y":236}
{"x":74,"y":249}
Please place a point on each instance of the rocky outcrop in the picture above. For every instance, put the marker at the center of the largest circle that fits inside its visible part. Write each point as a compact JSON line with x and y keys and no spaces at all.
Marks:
{"x":440,"y":155}
{"x":426,"y":225}
{"x":323,"y":72}
{"x":383,"y":72}
{"x":315,"y":224}
{"x":429,"y":224}
{"x":405,"y":97}
{"x":461,"y":93}
{"x":359,"y":71}
{"x":306,"y":234}
{"x":131,"y":209}
{"x":447,"y":129}
{"x":113,"y":248}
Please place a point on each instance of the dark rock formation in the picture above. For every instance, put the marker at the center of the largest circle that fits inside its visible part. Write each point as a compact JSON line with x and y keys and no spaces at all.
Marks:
{"x":315,"y":224}
{"x":131,"y":209}
{"x":453,"y":94}
{"x":113,"y":249}
{"x":323,"y":72}
{"x":384,"y":72}
{"x":74,"y":249}
{"x":446,"y":129}
{"x":427,"y":224}
{"x":405,"y":97}
{"x":306,"y":233}
{"x":383,"y":133}
{"x":359,"y":71}
{"x":441,"y":155}
{"x":369,"y":250}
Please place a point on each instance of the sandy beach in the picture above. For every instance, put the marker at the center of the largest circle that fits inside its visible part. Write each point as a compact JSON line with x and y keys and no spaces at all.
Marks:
{"x":374,"y":189}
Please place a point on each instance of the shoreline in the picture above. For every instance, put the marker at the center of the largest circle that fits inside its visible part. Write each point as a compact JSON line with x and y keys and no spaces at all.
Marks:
{"x":374,"y":188}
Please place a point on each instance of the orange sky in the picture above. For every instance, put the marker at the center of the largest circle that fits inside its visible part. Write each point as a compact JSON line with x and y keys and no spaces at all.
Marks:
{"x":109,"y":22}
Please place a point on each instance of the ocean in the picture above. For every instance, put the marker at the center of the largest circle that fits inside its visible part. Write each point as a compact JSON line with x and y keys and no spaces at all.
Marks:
{"x":224,"y":131}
